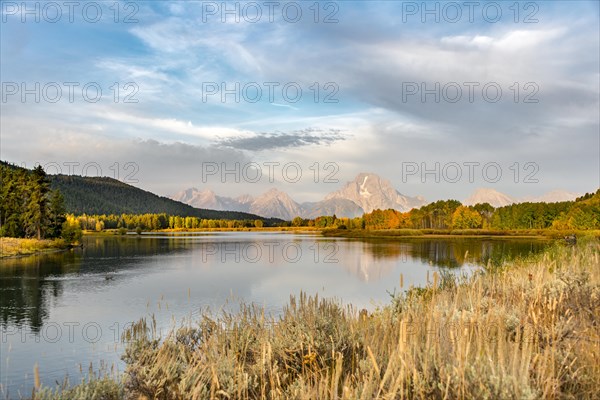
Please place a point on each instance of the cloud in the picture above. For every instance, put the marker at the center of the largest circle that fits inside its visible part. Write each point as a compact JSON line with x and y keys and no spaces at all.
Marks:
{"x":511,"y":41}
{"x":170,"y":125}
{"x":369,"y":54}
{"x":280,"y":140}
{"x":191,"y":38}
{"x":163,"y":167}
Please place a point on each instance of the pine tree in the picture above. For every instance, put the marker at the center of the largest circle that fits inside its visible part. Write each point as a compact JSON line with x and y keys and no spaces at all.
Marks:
{"x":36,"y":216}
{"x":56,"y":214}
{"x":11,"y":203}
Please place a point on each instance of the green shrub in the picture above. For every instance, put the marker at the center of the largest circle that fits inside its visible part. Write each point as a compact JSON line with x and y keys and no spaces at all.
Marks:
{"x":71,"y":232}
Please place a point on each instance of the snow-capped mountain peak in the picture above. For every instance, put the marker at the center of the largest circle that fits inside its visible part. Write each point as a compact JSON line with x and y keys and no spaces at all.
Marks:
{"x":371,"y":192}
{"x":364,"y":192}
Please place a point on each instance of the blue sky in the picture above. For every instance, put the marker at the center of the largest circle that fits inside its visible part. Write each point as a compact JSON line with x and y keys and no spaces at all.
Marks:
{"x":174,"y":53}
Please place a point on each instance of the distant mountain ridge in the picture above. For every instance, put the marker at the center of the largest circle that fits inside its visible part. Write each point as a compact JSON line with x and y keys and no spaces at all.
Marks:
{"x":552,"y":197}
{"x":498,"y":199}
{"x":491,"y":196}
{"x":365,"y":193}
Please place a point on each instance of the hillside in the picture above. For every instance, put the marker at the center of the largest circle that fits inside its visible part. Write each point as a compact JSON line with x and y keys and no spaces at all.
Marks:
{"x":103,"y":195}
{"x":95,"y":195}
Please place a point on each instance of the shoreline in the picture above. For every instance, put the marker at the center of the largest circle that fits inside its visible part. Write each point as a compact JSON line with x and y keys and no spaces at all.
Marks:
{"x":115,"y":232}
{"x":544,"y":234}
{"x":454,"y":234}
{"x":20,"y":247}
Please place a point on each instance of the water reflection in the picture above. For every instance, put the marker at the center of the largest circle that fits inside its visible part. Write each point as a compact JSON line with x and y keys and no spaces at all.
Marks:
{"x":374,"y":259}
{"x":25,"y":290}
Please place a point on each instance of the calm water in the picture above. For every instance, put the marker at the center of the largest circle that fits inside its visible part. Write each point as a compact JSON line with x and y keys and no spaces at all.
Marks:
{"x":66,"y":311}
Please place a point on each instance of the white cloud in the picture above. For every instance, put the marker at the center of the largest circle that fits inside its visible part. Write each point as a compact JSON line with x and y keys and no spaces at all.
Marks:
{"x":171,"y":125}
{"x":519,"y":40}
{"x":477,"y":41}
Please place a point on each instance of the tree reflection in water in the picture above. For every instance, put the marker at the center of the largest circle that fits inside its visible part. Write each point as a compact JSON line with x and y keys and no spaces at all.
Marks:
{"x":26,"y":287}
{"x":377,"y":257}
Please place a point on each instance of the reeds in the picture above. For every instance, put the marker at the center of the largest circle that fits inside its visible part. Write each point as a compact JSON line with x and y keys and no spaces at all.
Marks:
{"x":10,"y":247}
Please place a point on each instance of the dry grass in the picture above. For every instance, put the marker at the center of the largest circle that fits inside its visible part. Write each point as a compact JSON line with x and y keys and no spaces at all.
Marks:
{"x":10,"y":247}
{"x":528,"y":331}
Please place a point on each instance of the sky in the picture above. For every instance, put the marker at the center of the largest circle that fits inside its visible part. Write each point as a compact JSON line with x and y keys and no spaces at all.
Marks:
{"x":440,"y":98}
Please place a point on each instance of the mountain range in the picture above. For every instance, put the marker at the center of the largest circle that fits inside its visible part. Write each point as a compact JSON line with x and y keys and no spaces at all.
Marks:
{"x":498,"y":199}
{"x":364,"y":194}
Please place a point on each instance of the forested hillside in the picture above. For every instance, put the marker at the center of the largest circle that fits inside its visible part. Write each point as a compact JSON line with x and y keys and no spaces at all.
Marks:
{"x":94,"y":195}
{"x":97,"y":196}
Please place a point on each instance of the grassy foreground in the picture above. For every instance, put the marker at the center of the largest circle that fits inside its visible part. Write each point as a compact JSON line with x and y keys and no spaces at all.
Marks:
{"x":10,"y":247}
{"x":526,"y":330}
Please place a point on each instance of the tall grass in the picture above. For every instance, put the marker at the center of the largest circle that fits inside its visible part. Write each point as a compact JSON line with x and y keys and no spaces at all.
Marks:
{"x":523,"y":332}
{"x":10,"y":247}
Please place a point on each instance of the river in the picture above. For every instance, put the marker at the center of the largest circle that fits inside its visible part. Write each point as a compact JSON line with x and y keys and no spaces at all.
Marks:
{"x":66,"y":311}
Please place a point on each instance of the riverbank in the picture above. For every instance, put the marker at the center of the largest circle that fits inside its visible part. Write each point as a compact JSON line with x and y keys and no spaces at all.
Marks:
{"x":454,"y":233}
{"x":15,"y":247}
{"x":523,"y":329}
{"x":383,"y":234}
{"x":289,"y":229}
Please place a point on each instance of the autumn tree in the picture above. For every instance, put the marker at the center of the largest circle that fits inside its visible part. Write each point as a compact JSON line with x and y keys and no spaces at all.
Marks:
{"x":466,"y":218}
{"x":298,"y":221}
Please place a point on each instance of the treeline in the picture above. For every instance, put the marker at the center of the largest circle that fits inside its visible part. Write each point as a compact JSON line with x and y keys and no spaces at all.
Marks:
{"x":28,"y":206}
{"x":581,"y":214}
{"x":157,"y":221}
